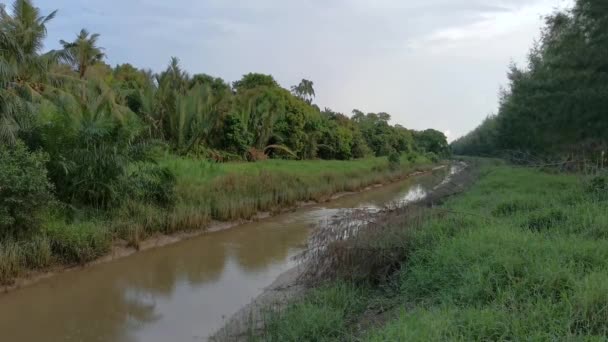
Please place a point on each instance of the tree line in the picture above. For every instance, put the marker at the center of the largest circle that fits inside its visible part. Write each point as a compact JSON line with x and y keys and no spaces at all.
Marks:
{"x":74,"y":128}
{"x":555,"y":107}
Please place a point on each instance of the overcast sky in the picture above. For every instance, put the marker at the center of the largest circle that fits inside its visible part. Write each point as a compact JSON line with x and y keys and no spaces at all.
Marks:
{"x":429,"y":63}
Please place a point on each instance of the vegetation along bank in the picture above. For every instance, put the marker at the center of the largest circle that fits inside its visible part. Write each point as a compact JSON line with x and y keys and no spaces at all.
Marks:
{"x":92,"y":155}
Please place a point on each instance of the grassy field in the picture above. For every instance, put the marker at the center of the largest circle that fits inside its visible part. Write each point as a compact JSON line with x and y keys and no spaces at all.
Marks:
{"x":522,"y":255}
{"x":204,"y":192}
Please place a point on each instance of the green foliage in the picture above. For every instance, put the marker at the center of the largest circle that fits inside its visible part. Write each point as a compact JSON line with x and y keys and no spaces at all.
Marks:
{"x":394,"y":160}
{"x":91,"y":147}
{"x":236,"y":137}
{"x":322,"y":316}
{"x":253,"y":80}
{"x":151,"y":183}
{"x":22,"y":69}
{"x":25,"y":190}
{"x":556,"y":105}
{"x":83,"y":52}
{"x":598,"y":185}
{"x":305,"y":91}
{"x":432,"y":141}
{"x":78,"y":243}
{"x":92,"y":127}
{"x":492,"y":265}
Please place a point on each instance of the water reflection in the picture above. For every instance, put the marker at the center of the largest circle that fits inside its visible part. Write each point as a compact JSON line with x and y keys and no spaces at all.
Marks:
{"x":181,"y":292}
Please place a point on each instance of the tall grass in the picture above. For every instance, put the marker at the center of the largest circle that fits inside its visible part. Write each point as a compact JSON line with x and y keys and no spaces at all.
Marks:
{"x":523,"y":255}
{"x":204,"y":192}
{"x":240,"y":190}
{"x":17,"y":256}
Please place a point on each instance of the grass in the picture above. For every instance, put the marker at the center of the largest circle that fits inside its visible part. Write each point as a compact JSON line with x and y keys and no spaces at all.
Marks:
{"x":204,"y":192}
{"x":522,"y":255}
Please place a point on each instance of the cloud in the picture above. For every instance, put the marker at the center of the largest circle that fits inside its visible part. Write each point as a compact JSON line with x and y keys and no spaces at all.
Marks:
{"x":430,"y":63}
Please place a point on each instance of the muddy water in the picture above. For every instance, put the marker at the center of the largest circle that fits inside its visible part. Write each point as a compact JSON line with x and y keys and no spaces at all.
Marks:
{"x":182,"y":292}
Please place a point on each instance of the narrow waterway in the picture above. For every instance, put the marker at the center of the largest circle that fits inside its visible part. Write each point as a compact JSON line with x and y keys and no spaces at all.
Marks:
{"x":181,"y":292}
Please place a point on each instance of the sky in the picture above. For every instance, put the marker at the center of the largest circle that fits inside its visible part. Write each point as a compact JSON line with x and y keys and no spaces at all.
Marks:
{"x":429,"y":63}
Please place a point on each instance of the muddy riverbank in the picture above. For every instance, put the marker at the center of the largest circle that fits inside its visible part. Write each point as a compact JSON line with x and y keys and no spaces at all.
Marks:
{"x":289,"y":286}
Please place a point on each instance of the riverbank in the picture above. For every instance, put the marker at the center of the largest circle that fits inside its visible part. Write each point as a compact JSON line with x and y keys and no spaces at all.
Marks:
{"x":120,"y":248}
{"x":292,"y":284}
{"x":522,"y":254}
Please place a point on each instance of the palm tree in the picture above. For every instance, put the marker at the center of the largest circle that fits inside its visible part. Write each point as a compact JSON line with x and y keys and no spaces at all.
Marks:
{"x":22,"y":69}
{"x":305,"y":90}
{"x":26,"y":25}
{"x":83,"y":52}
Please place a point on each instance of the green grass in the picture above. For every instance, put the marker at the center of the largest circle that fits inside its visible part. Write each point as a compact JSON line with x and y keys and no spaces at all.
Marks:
{"x":232,"y":191}
{"x":522,"y":255}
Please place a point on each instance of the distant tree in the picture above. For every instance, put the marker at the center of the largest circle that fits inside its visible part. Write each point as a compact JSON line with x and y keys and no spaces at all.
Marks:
{"x":82,"y":52}
{"x":304,"y":91}
{"x":431,"y":140}
{"x":254,"y":80}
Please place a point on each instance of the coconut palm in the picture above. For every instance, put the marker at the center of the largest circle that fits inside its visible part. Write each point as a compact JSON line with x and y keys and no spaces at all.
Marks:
{"x":22,"y":70}
{"x":83,"y":52}
{"x":26,"y":25}
{"x":305,"y":90}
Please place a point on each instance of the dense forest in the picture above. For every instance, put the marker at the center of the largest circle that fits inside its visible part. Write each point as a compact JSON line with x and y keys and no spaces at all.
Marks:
{"x":555,"y":107}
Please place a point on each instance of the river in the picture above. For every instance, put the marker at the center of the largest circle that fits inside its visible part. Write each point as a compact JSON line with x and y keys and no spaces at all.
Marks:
{"x":180,"y":292}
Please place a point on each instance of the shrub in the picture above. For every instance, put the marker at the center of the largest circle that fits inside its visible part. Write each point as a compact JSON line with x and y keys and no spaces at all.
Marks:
{"x":432,"y":157}
{"x":24,"y":189}
{"x":394,"y":160}
{"x":151,"y":183}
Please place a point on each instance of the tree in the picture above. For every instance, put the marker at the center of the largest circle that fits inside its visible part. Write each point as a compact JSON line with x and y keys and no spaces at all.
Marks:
{"x":83,"y":52}
{"x":431,"y":140}
{"x":26,"y":25}
{"x":24,"y":73}
{"x":24,"y":189}
{"x":304,"y":91}
{"x":555,"y":105}
{"x":254,"y":80}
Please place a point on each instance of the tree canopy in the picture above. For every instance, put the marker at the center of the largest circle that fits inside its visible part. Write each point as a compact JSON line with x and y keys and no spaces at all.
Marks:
{"x":556,"y":105}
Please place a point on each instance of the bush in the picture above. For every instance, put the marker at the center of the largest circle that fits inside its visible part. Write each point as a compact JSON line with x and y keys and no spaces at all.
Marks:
{"x":433,"y":157}
{"x":394,"y":160}
{"x":151,"y":183}
{"x":25,"y":190}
